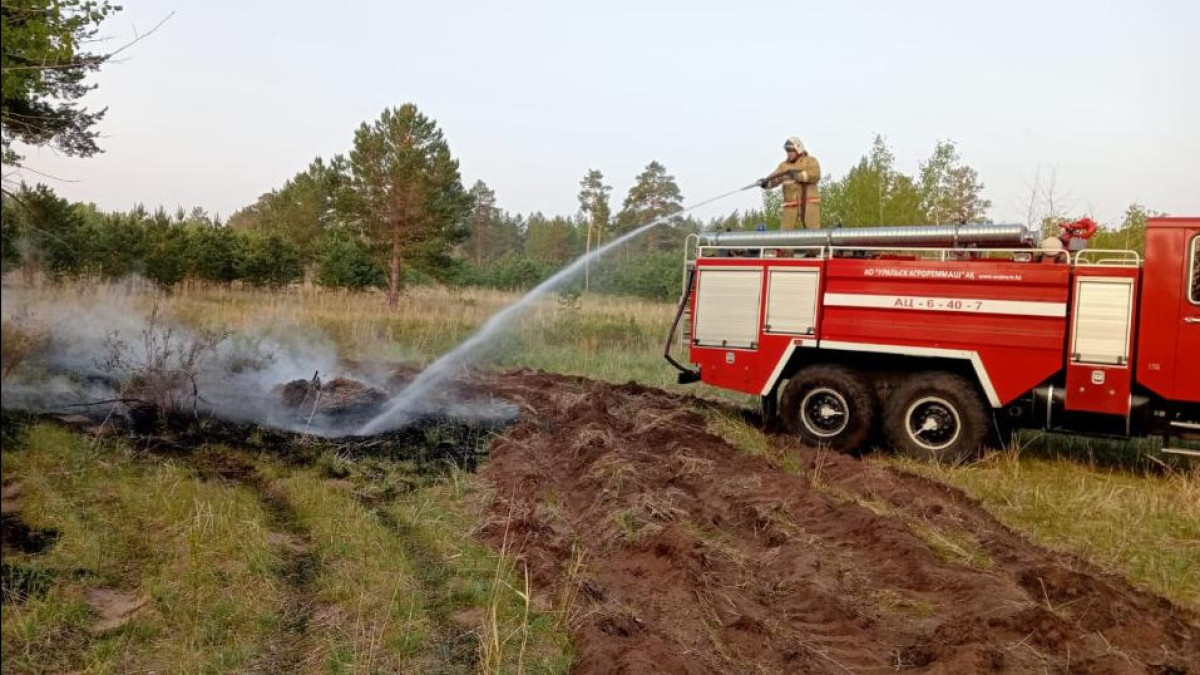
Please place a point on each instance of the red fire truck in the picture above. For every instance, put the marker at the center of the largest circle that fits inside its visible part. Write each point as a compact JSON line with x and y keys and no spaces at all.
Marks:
{"x":939,"y":340}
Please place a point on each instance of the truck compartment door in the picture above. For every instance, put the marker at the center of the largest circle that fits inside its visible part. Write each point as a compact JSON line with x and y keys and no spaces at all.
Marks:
{"x":1187,"y":350}
{"x":728,"y":306}
{"x":792,"y":301}
{"x":1098,"y":369}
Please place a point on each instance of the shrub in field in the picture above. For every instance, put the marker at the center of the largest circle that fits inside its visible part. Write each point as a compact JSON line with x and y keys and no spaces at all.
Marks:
{"x":270,"y":260}
{"x":215,"y":253}
{"x":160,"y":370}
{"x":591,"y":332}
{"x":50,"y":232}
{"x":656,"y":276}
{"x":344,"y":260}
{"x":510,"y":272}
{"x":166,"y":261}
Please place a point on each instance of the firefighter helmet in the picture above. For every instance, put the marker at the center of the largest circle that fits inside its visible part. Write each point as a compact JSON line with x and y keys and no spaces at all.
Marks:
{"x":794,"y":143}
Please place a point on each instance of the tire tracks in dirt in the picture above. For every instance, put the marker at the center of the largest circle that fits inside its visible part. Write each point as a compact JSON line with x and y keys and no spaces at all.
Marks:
{"x":701,"y":559}
{"x":455,"y":646}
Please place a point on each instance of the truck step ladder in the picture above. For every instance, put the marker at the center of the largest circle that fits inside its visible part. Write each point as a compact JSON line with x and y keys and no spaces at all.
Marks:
{"x":1187,"y":428}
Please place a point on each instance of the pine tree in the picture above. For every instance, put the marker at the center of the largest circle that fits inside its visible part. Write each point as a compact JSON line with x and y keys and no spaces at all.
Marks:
{"x":549,"y":240}
{"x":166,"y":257}
{"x":119,"y":245}
{"x":873,"y":192}
{"x":408,"y":190}
{"x":484,"y":219}
{"x":308,"y":203}
{"x":345,"y":261}
{"x":654,"y":196}
{"x":594,"y":205}
{"x":9,"y":235}
{"x":51,"y":231}
{"x":42,"y":75}
{"x":215,"y":252}
{"x":270,"y":260}
{"x":950,"y":190}
{"x":594,"y":213}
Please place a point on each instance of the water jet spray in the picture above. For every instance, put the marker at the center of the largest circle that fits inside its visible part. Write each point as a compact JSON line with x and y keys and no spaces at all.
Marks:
{"x":470,"y":349}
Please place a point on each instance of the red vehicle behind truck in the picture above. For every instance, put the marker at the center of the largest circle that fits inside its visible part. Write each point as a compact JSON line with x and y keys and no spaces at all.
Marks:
{"x":941,"y":349}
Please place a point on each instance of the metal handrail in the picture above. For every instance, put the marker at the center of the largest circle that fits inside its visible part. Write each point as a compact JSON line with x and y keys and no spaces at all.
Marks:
{"x":763,"y":249}
{"x":944,"y":252}
{"x":692,"y":240}
{"x":1117,"y":257}
{"x":826,"y":252}
{"x":1124,"y":258}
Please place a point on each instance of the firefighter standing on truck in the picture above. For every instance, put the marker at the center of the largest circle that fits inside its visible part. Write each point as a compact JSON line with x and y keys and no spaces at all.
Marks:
{"x":798,"y":175}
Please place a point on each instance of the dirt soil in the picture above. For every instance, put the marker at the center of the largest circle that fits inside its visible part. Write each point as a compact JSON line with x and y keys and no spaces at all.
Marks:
{"x":113,"y":608}
{"x":698,"y":559}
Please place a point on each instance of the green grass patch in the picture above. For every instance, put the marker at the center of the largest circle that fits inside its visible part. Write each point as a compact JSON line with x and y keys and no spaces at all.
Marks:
{"x":749,"y":439}
{"x":369,"y":613}
{"x":1142,"y":524}
{"x":403,"y":586}
{"x":145,"y":528}
{"x":517,"y":628}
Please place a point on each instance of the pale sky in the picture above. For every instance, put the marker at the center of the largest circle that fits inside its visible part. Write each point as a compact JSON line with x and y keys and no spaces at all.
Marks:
{"x":229,"y":99}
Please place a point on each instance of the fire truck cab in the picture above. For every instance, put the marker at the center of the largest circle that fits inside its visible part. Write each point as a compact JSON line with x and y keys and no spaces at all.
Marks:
{"x":940,"y":341}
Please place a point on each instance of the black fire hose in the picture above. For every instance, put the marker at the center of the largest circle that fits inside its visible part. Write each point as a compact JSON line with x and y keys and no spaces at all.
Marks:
{"x":686,"y":375}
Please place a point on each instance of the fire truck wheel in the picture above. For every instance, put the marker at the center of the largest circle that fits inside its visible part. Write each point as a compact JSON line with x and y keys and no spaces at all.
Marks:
{"x":830,"y":406}
{"x":939,"y":416}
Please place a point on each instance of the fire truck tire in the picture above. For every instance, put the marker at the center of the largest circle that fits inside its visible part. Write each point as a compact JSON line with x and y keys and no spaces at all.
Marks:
{"x":937,"y":416}
{"x":830,"y":406}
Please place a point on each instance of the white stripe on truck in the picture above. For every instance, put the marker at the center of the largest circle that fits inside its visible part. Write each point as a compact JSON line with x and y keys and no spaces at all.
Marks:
{"x":943,"y":304}
{"x":985,"y":380}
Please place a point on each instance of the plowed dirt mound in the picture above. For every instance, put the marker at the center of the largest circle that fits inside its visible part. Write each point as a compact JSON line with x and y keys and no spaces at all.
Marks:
{"x":700,"y":559}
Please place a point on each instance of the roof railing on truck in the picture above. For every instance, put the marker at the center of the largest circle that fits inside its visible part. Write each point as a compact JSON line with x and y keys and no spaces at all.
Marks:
{"x":764,"y":251}
{"x":1096,"y":257}
{"x":1107,"y":257}
{"x":943,"y":254}
{"x":875,"y":252}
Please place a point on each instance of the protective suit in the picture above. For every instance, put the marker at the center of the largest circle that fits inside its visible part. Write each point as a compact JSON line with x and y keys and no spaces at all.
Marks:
{"x":799,"y":175}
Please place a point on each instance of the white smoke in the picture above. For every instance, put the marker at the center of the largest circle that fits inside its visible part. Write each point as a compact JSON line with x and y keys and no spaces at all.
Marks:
{"x":90,"y":345}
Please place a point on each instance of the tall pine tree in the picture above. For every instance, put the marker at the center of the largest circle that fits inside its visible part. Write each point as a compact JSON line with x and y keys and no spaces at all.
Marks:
{"x":483,"y":220}
{"x":408,"y":190}
{"x":950,"y":190}
{"x":873,"y":192}
{"x":594,"y":205}
{"x":654,"y":196}
{"x":309,"y":203}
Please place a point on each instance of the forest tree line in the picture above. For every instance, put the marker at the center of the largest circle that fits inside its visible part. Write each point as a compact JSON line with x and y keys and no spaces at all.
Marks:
{"x":393,"y":211}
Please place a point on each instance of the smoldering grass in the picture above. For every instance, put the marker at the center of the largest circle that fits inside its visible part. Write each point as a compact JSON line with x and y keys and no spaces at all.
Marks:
{"x":20,"y":339}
